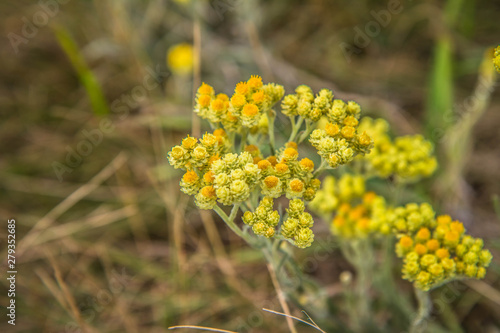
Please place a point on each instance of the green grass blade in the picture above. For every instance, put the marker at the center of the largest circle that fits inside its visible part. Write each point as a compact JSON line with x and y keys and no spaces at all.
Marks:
{"x":87,"y":78}
{"x":440,"y":96}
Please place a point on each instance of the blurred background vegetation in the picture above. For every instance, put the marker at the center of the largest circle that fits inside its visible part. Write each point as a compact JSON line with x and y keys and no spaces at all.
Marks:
{"x":105,"y":240}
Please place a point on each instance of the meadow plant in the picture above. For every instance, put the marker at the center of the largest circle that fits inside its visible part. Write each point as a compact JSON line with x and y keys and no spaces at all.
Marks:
{"x":239,"y":165}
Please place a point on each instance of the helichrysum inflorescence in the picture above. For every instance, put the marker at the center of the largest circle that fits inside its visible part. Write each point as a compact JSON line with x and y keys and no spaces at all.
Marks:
{"x":217,"y":173}
{"x":264,"y":220}
{"x":297,"y":226}
{"x":434,"y":250}
{"x":408,"y":158}
{"x":335,"y":192}
{"x":438,"y":250}
{"x":339,"y":142}
{"x":245,"y":109}
{"x":496,"y":58}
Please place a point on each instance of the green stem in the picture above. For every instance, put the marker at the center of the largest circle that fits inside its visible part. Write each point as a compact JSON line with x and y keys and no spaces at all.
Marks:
{"x":424,"y":309}
{"x":323,"y":166}
{"x":229,"y":220}
{"x":308,"y":130}
{"x":271,"y":115}
{"x":243,"y":141}
{"x":295,"y":128}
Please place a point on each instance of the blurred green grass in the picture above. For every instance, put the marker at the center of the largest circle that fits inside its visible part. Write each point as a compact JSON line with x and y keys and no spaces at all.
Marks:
{"x":134,"y":253}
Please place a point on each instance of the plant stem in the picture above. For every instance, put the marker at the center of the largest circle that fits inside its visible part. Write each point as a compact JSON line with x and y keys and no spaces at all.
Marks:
{"x":229,"y":220}
{"x":243,"y":141}
{"x":295,"y":128}
{"x":271,"y":115}
{"x":424,"y":309}
{"x":323,"y":166}
{"x":308,"y":130}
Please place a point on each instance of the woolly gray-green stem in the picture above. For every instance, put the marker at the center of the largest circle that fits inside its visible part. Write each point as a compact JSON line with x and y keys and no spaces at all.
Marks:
{"x":424,"y":309}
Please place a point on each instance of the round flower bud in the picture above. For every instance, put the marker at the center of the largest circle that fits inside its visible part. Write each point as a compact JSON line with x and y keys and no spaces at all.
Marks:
{"x":259,"y":228}
{"x":238,"y":174}
{"x":304,"y":238}
{"x":436,"y":270}
{"x":350,"y":121}
{"x":485,"y":257}
{"x":427,"y":260}
{"x":471,"y":258}
{"x":448,"y":264}
{"x":248,"y":218}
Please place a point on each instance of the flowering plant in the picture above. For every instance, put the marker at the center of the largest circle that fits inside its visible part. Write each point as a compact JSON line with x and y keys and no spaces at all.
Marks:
{"x":240,"y":165}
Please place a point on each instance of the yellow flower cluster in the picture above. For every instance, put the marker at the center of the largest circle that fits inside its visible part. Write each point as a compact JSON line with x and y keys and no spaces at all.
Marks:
{"x":496,"y":58}
{"x":297,"y":227}
{"x":333,"y":193}
{"x":194,"y":155}
{"x":339,"y":142}
{"x":246,"y":108}
{"x":209,"y":177}
{"x":304,"y":104}
{"x":407,"y":157}
{"x":438,"y":251}
{"x":286,"y":174}
{"x":355,"y":221}
{"x":264,"y":220}
{"x":234,"y":177}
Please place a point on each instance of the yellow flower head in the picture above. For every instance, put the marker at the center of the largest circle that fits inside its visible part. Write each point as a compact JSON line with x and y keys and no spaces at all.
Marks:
{"x":208,"y":192}
{"x":190,"y":177}
{"x":180,"y":59}
{"x":296,"y":185}
{"x":271,"y":181}
{"x":348,"y":132}
{"x":264,"y":164}
{"x":307,"y":164}
{"x":218,"y":105}
{"x":259,"y":97}
{"x":241,"y":88}
{"x":254,"y":82}
{"x":290,"y":153}
{"x":332,"y":129}
{"x":189,"y":142}
{"x":250,"y":110}
{"x":281,"y":168}
{"x":204,"y":100}
{"x":205,"y":89}
{"x":238,"y":100}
